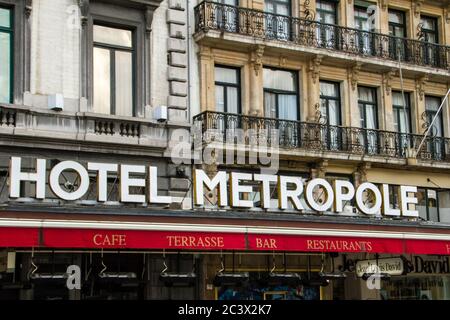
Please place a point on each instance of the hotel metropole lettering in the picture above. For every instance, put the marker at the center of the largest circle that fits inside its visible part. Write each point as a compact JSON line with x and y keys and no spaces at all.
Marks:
{"x":232,"y":188}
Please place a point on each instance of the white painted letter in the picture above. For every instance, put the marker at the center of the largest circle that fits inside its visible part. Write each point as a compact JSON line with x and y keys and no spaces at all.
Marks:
{"x":102,"y":178}
{"x":387,"y":210}
{"x":153,"y":186}
{"x":310,"y":194}
{"x":126,"y":182}
{"x":201,"y":178}
{"x":284,"y":194}
{"x":16,"y":176}
{"x":360,"y":201}
{"x":339,"y":196}
{"x":236,"y":189}
{"x":264,"y":190}
{"x":405,"y":200}
{"x":83,"y":177}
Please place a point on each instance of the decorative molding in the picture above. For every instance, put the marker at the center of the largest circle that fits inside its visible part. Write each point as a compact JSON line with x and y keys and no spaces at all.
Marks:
{"x":282,"y":61}
{"x":447,"y":14}
{"x":362,"y":170}
{"x":256,"y":59}
{"x":420,"y":33}
{"x":417,"y":7}
{"x":28,"y":8}
{"x":308,"y":12}
{"x":353,"y":75}
{"x":84,"y":9}
{"x":420,"y":86}
{"x":387,"y":80}
{"x":149,"y":11}
{"x":319,"y":117}
{"x":314,"y":67}
{"x":384,"y":4}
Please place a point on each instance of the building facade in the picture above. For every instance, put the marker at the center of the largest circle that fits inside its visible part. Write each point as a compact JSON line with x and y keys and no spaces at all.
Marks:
{"x":164,"y":149}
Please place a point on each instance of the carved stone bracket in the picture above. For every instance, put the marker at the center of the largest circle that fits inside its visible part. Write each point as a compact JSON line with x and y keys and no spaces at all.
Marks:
{"x":353,"y":75}
{"x":149,"y":18}
{"x":387,"y":81}
{"x":256,"y":59}
{"x":417,"y":7}
{"x":384,"y":4}
{"x":28,"y":8}
{"x":314,"y":67}
{"x":420,"y":86}
{"x":361,"y":172}
{"x":447,"y":14}
{"x":320,"y":169}
{"x":84,"y":10}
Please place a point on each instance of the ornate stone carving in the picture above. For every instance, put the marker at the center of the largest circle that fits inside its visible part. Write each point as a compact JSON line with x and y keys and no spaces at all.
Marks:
{"x":28,"y":8}
{"x":307,"y":11}
{"x":353,"y":75}
{"x":361,"y":172}
{"x":314,"y":67}
{"x":420,"y":86}
{"x":84,"y":10}
{"x":256,"y":59}
{"x":384,"y":4}
{"x":417,"y":7}
{"x":387,"y":81}
{"x":149,"y":18}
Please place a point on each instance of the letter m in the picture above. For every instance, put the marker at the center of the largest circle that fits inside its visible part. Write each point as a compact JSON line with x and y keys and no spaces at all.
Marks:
{"x":201,"y":179}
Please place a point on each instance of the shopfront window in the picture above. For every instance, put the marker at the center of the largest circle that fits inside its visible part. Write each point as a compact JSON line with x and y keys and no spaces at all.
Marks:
{"x":113,"y":71}
{"x":434,"y":204}
{"x":6,"y":55}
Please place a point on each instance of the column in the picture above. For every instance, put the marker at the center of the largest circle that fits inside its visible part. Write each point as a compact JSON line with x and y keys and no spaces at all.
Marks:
{"x":388,"y":118}
{"x":256,"y":107}
{"x":206,"y":79}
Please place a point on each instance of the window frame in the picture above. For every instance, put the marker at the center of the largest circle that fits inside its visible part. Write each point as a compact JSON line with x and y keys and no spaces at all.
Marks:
{"x":225,"y":85}
{"x":112,"y":51}
{"x":336,"y":16}
{"x":105,"y":13}
{"x":365,"y":103}
{"x":396,"y":24}
{"x":20,"y":48}
{"x":428,"y":31}
{"x":396,"y":108}
{"x":11,"y":32}
{"x":278,"y":92}
{"x":288,"y":3}
{"x":328,"y":98}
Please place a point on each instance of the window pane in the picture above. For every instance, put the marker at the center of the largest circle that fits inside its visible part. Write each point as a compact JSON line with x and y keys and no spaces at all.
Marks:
{"x":366,"y":94}
{"x":5,"y":18}
{"x":124,"y":83}
{"x":371,"y":117}
{"x":270,"y":105}
{"x":232,"y":100}
{"x":444,"y":206}
{"x":113,"y":36}
{"x":421,"y":203}
{"x":220,"y":102}
{"x":5,"y":67}
{"x":428,"y":23}
{"x":432,"y":103}
{"x":396,"y":17}
{"x":287,"y":105}
{"x":279,"y":80}
{"x":328,"y":89}
{"x":227,"y":75}
{"x":102,"y":81}
{"x":333,"y":117}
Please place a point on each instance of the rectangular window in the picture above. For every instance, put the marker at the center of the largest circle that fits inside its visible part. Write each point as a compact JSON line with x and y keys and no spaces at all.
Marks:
{"x":6,"y":55}
{"x":402,"y":121}
{"x":428,"y":204}
{"x":367,"y":103}
{"x":280,"y":94}
{"x":364,"y":39}
{"x":326,"y":13}
{"x":431,"y":37}
{"x":330,"y":108}
{"x":113,"y":71}
{"x":397,"y":29}
{"x":432,"y":105}
{"x":228,"y":91}
{"x":278,"y":21}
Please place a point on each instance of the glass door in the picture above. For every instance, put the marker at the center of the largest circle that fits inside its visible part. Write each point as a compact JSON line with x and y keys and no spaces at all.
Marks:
{"x":278,"y":19}
{"x":367,"y":103}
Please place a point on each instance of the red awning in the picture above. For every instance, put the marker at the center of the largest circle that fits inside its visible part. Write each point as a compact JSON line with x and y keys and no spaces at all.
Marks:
{"x":151,"y":239}
{"x":19,"y":237}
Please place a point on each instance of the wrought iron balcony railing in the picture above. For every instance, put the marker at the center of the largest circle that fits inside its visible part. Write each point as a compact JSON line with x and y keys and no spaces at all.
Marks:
{"x":215,"y":16}
{"x":286,"y":134}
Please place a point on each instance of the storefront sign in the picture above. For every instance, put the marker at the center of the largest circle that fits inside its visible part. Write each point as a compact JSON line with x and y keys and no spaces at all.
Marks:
{"x":431,"y":265}
{"x":139,"y":239}
{"x":391,"y":266}
{"x":291,"y":189}
{"x":428,"y":247}
{"x":323,"y":244}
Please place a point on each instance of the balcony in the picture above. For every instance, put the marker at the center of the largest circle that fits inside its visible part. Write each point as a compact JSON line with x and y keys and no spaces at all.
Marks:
{"x":314,"y":138}
{"x":313,"y":34}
